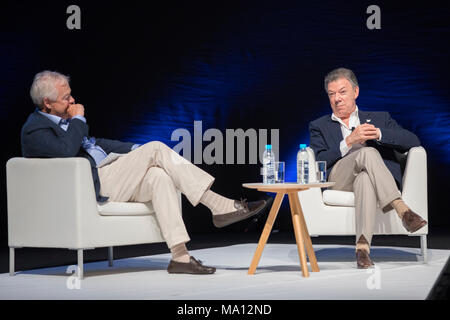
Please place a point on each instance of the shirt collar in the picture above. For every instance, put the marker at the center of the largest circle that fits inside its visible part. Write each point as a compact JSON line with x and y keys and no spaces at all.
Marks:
{"x":352,"y":115}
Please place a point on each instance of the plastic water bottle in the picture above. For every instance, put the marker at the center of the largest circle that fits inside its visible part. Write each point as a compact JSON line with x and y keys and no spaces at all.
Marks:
{"x":302,"y":165}
{"x":268,"y":165}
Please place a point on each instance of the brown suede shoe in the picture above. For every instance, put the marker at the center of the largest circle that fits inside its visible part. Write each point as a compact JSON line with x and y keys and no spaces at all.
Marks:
{"x":244,"y":210}
{"x":412,"y":221}
{"x":191,"y":267}
{"x":363,"y":259}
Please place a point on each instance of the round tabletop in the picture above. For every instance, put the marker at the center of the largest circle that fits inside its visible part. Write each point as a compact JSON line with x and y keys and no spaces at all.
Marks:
{"x":287,"y":186}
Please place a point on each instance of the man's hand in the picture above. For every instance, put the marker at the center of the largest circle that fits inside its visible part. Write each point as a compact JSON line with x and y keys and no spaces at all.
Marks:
{"x":75,"y":110}
{"x":363,"y":133}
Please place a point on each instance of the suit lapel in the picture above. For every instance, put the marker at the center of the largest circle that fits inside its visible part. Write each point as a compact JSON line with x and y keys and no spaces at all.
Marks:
{"x":364,"y":117}
{"x":335,"y":131}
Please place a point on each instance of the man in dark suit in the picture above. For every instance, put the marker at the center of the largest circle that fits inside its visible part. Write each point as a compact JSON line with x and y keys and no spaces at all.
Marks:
{"x":360,"y":150}
{"x":124,"y":171}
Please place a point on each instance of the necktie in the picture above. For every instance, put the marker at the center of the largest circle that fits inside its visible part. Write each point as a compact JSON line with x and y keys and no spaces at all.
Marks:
{"x":64,"y":122}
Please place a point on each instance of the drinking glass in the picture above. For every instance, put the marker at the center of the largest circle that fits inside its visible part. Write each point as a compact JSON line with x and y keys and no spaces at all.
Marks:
{"x":279,"y":172}
{"x":321,"y":169}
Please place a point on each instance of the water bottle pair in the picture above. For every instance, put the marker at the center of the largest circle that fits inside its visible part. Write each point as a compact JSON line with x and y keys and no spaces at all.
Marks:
{"x":273,"y":172}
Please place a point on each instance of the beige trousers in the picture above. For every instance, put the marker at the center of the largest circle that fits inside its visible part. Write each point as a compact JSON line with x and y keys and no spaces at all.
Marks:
{"x":154,"y":172}
{"x":365,"y":173}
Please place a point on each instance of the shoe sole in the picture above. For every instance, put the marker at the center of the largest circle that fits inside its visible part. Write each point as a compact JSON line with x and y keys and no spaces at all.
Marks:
{"x":420,"y":226}
{"x":366,"y":267}
{"x":176,"y":272}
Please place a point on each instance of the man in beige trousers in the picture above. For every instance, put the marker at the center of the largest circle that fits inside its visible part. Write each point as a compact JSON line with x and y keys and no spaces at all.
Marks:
{"x":127,"y":172}
{"x":359,"y":148}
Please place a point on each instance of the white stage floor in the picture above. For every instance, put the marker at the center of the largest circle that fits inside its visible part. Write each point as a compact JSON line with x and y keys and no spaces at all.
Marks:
{"x":399,"y":274}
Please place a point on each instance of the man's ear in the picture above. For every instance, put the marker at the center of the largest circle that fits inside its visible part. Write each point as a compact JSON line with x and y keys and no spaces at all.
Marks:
{"x":46,"y":102}
{"x":356,"y":92}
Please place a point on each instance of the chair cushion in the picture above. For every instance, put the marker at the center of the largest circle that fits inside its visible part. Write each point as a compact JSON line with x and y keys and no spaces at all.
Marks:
{"x":125,"y":208}
{"x":339,"y":198}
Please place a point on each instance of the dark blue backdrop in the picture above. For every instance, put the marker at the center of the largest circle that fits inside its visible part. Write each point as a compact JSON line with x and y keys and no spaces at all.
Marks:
{"x":144,"y":70}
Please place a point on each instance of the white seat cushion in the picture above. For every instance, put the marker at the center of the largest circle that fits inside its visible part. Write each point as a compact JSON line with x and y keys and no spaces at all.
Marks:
{"x":125,"y":208}
{"x":339,"y":198}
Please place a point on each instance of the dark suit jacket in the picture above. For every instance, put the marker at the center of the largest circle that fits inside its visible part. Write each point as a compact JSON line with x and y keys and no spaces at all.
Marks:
{"x":42,"y":138}
{"x":326,"y":135}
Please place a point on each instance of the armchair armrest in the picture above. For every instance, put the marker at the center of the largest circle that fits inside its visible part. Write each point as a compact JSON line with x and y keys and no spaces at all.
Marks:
{"x":415,"y":191}
{"x":46,"y":200}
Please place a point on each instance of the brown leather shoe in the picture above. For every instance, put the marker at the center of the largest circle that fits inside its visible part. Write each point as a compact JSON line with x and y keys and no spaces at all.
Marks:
{"x":363,"y":259}
{"x":412,"y":221}
{"x":244,"y":210}
{"x":191,"y":267}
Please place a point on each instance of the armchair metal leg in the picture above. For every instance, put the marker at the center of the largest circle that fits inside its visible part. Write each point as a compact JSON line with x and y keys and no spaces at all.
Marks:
{"x":110,"y":256}
{"x":423,"y":248}
{"x":11,"y":262}
{"x":80,"y":264}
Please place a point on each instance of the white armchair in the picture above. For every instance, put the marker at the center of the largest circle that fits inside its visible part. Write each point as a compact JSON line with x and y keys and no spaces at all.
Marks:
{"x":52,"y":204}
{"x":332,"y":212}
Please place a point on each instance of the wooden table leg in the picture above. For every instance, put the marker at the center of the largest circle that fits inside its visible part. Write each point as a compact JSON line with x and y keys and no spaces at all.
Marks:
{"x":298,"y":235}
{"x":266,"y":232}
{"x":307,"y":238}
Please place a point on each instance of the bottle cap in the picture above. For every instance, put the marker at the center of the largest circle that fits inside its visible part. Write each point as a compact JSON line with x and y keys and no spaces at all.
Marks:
{"x":302,"y":146}
{"x":268,"y":146}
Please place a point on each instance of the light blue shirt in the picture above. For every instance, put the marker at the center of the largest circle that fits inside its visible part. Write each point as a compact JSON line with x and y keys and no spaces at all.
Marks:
{"x":89,"y":145}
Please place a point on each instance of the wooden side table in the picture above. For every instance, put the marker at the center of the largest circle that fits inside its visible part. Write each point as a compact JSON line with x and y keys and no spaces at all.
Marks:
{"x":301,"y":231}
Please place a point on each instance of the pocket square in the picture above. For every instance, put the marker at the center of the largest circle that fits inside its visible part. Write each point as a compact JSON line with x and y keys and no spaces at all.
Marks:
{"x":368,"y":120}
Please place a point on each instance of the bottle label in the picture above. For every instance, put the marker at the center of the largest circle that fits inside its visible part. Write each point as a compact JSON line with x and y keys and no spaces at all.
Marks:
{"x":302,"y":171}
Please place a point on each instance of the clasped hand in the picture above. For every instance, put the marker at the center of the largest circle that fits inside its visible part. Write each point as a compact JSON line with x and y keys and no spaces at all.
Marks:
{"x":75,"y":110}
{"x":362,"y":133}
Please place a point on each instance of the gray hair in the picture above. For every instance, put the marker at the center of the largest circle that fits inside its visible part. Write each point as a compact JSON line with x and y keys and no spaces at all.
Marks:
{"x":341,"y":73}
{"x":44,"y":86}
